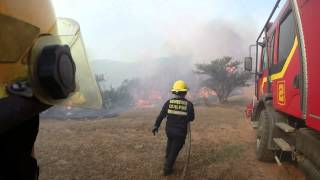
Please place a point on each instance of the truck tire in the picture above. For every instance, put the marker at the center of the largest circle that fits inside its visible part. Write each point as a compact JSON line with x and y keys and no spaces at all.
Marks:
{"x":263,"y":132}
{"x":309,"y":169}
{"x":308,"y":144}
{"x":254,"y":111}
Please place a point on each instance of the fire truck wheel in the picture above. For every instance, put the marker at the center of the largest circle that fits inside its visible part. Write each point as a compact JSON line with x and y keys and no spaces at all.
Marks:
{"x":263,"y":132}
{"x":254,"y":111}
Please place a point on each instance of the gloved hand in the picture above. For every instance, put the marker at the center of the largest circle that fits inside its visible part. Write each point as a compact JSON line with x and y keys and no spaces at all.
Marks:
{"x":155,"y":130}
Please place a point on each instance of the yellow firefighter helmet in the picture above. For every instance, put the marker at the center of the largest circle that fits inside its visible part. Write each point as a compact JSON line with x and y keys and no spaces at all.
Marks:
{"x":46,"y":51}
{"x":179,"y":86}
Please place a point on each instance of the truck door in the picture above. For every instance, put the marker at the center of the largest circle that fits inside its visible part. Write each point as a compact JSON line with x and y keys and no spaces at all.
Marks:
{"x":285,"y":69}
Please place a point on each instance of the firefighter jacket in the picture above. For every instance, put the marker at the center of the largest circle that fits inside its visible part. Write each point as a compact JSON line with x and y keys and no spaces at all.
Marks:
{"x":179,"y":112}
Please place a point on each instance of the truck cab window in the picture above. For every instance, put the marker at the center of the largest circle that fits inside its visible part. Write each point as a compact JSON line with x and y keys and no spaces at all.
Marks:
{"x":286,"y":38}
{"x":271,"y":47}
{"x":265,"y":59}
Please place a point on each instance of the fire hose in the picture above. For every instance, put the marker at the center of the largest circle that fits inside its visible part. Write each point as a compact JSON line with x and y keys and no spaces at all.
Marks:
{"x":188,"y":152}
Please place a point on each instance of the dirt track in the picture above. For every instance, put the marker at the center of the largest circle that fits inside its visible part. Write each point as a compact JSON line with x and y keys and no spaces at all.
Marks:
{"x":123,"y":148}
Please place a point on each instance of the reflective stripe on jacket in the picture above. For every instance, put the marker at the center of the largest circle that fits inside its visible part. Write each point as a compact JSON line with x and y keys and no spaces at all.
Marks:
{"x":179,"y":112}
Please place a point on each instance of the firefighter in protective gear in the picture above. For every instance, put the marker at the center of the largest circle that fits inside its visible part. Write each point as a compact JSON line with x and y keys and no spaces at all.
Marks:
{"x":179,"y":112}
{"x":41,"y":58}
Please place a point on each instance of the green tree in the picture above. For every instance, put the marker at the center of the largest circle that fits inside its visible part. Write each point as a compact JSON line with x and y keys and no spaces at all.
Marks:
{"x":223,"y":76}
{"x":119,"y":97}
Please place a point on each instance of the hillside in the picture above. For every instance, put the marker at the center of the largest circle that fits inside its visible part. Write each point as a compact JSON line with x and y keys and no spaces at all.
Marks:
{"x":168,"y":68}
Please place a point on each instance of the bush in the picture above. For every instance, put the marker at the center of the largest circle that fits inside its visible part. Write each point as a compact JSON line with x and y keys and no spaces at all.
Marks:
{"x":223,"y":76}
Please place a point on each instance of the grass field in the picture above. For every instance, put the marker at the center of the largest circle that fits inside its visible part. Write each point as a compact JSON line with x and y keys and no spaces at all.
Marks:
{"x":223,"y":145}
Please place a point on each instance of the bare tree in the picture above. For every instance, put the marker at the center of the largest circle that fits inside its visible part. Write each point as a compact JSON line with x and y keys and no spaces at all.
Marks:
{"x":223,"y":76}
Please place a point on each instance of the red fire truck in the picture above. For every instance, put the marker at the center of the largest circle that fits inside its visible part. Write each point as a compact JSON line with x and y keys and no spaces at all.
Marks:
{"x":287,"y":86}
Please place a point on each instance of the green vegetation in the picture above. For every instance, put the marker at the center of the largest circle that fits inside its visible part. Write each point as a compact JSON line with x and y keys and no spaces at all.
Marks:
{"x":223,"y":76}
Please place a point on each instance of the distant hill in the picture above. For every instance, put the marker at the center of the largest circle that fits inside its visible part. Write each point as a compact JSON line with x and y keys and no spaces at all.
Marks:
{"x":117,"y":71}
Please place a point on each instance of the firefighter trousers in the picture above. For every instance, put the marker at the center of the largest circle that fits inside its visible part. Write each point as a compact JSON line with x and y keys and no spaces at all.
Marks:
{"x":174,"y":145}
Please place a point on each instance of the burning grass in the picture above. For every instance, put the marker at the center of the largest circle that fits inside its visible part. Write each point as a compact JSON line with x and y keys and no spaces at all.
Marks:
{"x":124,"y":148}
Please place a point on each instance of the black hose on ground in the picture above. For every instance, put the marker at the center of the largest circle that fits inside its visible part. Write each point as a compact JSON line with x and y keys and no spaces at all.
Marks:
{"x":185,"y":169}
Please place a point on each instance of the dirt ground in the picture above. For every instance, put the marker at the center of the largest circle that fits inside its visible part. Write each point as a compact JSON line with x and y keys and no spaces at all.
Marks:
{"x":223,"y":147}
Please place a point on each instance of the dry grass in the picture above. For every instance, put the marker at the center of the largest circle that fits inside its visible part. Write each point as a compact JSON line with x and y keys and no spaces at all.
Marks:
{"x":124,"y":148}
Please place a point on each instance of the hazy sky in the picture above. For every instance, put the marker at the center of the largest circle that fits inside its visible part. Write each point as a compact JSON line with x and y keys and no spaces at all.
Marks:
{"x":129,"y":30}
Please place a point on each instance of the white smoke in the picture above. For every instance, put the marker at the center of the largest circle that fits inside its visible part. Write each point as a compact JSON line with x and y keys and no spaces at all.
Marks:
{"x":216,"y":39}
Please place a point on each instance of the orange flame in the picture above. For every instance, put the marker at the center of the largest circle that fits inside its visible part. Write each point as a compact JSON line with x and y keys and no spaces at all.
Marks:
{"x":150,"y":100}
{"x":206,"y":92}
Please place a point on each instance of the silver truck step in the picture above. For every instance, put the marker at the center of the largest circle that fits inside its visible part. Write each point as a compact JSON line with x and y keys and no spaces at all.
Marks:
{"x":254,"y":124}
{"x":285,"y":127}
{"x":284,"y":146}
{"x":278,"y":160}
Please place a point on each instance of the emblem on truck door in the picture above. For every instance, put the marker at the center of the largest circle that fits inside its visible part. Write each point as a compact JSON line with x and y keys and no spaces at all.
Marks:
{"x":281,"y":93}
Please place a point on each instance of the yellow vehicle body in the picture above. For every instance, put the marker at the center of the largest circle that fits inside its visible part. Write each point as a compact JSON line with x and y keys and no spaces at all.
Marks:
{"x":39,"y":13}
{"x":27,"y":26}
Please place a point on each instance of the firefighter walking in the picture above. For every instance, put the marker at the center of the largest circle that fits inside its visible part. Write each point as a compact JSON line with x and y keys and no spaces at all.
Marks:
{"x":179,"y":112}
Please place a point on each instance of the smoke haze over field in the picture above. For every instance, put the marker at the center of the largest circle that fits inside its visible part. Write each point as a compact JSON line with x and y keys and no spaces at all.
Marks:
{"x":199,"y":45}
{"x":129,"y":30}
{"x":213,"y":40}
{"x":159,"y":41}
